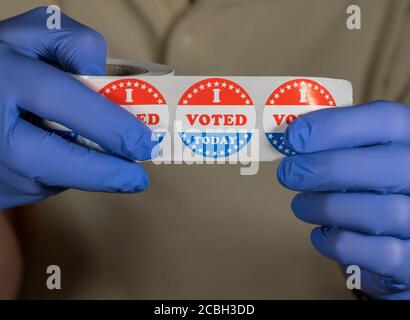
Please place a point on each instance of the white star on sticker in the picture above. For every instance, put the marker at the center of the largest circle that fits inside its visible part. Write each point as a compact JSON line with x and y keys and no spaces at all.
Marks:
{"x":216,"y":84}
{"x":189,"y":96}
{"x":121,"y":85}
{"x":136,"y":84}
{"x":185,"y":101}
{"x":150,"y":90}
{"x":223,"y":84}
{"x":155,"y":95}
{"x":295,"y":84}
{"x":114,"y":87}
{"x":316,"y":88}
{"x":275,"y":142}
{"x":160,"y":101}
{"x":282,"y":91}
{"x":272,"y":101}
{"x":322,"y":91}
{"x":243,"y":96}
{"x":143,"y":87}
{"x":247,"y":101}
{"x":195,"y":91}
{"x":231,"y":87}
{"x":202,"y":87}
{"x":277,"y":96}
{"x":209,"y":84}
{"x":288,"y":87}
{"x":129,"y":83}
{"x":237,"y":91}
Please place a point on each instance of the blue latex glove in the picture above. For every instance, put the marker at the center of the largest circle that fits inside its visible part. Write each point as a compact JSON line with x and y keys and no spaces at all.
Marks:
{"x":354,"y":172}
{"x":34,"y":163}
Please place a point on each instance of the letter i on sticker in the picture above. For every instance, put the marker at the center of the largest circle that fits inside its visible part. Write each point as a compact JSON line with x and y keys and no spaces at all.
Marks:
{"x":217,"y":117}
{"x":141,"y":99}
{"x":289,"y":101}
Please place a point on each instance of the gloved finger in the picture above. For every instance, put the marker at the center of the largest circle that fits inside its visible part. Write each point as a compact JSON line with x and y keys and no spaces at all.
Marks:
{"x":26,"y":186}
{"x":48,"y":159}
{"x":369,"y":213}
{"x":378,"y":286}
{"x":53,"y":95}
{"x":379,"y":122}
{"x":13,"y":198}
{"x":386,"y":256}
{"x":75,"y":47}
{"x":382,"y":169}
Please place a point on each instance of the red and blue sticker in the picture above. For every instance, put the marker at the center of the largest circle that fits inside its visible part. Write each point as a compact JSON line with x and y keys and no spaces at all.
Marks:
{"x":287,"y":102}
{"x":141,"y":99}
{"x":216,"y":118}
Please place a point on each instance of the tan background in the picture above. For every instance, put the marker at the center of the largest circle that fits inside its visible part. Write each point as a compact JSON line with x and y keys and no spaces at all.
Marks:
{"x":206,"y":231}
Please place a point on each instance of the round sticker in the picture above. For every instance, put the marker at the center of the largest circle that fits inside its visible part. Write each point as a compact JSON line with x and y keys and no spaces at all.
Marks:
{"x":142,"y":100}
{"x":289,"y":101}
{"x":216,"y":117}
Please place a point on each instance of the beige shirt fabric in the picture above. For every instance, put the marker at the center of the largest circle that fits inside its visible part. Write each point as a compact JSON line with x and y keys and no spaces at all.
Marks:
{"x":207,"y":231}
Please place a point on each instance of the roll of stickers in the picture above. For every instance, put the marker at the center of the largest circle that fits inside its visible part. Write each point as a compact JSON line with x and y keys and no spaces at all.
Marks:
{"x":212,"y":119}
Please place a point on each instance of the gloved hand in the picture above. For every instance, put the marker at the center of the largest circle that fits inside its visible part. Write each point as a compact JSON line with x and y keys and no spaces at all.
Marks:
{"x":34,"y":163}
{"x":354,"y":172}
